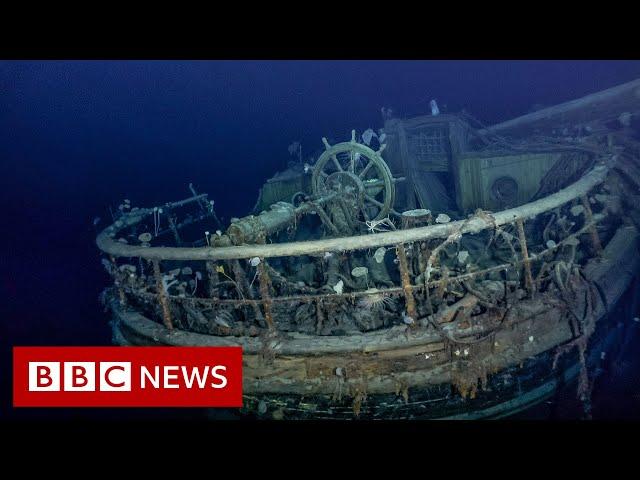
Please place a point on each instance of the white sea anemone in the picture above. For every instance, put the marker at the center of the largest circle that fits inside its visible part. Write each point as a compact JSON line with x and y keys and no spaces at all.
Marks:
{"x":376,"y":300}
{"x":222,"y":319}
{"x":359,"y":272}
{"x":577,"y":210}
{"x":407,"y":319}
{"x":379,"y":255}
{"x":625,"y":119}
{"x":443,"y":218}
{"x":368,"y":135}
{"x":167,"y":282}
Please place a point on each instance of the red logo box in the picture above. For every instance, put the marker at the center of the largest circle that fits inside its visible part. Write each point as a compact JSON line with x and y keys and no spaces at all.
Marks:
{"x":127,"y":376}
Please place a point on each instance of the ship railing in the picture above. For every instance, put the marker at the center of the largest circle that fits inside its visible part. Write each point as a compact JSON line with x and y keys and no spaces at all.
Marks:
{"x":216,"y":257}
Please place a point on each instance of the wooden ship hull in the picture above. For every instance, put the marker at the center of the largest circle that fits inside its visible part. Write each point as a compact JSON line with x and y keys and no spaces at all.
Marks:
{"x":453,"y":339}
{"x":518,"y":372}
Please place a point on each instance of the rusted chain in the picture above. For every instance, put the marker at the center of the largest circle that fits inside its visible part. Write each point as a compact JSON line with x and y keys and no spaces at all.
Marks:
{"x":391,"y":291}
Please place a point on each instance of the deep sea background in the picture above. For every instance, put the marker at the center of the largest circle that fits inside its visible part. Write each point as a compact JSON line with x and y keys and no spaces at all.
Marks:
{"x":79,"y":136}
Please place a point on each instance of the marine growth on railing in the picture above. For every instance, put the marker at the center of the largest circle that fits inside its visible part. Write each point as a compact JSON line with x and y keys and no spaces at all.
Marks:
{"x":422,"y":272}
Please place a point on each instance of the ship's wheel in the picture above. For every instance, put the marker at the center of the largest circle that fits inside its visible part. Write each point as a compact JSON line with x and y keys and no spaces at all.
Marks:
{"x":357,"y":174}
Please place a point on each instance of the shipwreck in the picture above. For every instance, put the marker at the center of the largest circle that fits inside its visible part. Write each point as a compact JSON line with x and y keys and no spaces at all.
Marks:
{"x":439,"y":269}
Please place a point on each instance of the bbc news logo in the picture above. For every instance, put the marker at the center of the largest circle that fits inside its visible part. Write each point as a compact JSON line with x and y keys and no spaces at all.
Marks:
{"x":79,"y":376}
{"x":127,"y":376}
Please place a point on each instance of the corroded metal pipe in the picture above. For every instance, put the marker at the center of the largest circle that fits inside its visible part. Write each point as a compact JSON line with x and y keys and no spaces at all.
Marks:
{"x":254,"y":228}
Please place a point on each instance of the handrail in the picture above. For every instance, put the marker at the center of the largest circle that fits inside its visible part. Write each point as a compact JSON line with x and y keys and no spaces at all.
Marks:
{"x":475,"y":224}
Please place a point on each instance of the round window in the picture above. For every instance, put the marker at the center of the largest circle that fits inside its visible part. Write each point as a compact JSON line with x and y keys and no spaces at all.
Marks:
{"x":505,"y":190}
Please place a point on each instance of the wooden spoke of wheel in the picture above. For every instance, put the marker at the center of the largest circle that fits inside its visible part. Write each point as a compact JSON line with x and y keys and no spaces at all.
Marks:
{"x":325,"y":219}
{"x":377,"y":183}
{"x":370,"y":199}
{"x":366,"y":169}
{"x":323,"y":178}
{"x":337,"y":163}
{"x":363,"y":209}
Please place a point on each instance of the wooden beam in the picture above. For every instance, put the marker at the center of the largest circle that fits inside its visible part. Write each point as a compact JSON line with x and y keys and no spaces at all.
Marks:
{"x":625,"y":97}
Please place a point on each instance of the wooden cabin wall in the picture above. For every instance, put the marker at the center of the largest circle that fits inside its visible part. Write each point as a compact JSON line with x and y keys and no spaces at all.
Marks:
{"x":476,"y":175}
{"x":423,"y":183}
{"x":281,"y":191}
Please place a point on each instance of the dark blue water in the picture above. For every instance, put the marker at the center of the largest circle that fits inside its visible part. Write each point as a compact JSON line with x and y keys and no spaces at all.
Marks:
{"x":76,"y":137}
